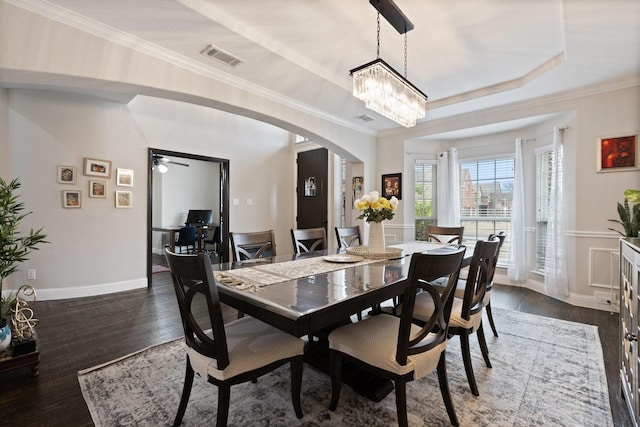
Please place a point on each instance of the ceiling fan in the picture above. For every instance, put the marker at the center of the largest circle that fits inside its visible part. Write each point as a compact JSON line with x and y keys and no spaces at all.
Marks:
{"x":161,"y":163}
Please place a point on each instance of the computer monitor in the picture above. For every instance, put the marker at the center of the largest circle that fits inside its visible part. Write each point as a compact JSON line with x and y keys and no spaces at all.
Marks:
{"x":199,"y":216}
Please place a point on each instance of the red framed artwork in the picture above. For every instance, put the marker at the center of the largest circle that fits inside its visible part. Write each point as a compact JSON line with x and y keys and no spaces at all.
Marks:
{"x":618,"y":153}
{"x":392,"y":185}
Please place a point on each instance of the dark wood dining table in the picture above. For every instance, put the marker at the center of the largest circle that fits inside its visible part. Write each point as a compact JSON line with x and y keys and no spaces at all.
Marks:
{"x":314,"y":304}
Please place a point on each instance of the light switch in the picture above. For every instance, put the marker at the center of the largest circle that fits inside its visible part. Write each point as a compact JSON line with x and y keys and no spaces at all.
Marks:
{"x":249,"y":202}
{"x":236,"y":202}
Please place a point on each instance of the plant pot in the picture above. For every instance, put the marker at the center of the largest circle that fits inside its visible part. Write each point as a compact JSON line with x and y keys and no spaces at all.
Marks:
{"x":376,"y":244}
{"x":5,"y":335}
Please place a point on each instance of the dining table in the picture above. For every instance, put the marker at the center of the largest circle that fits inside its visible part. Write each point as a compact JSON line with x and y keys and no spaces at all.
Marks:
{"x":312,"y":294}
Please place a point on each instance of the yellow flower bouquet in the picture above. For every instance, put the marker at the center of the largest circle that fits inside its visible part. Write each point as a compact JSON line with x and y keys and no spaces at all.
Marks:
{"x":375,"y":208}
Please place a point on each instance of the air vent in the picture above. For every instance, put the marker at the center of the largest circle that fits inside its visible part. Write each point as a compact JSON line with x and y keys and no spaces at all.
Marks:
{"x":222,"y":56}
{"x":364,"y":118}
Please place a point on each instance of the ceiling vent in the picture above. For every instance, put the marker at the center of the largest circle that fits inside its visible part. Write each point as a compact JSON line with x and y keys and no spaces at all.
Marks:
{"x":222,"y":56}
{"x":364,"y":118}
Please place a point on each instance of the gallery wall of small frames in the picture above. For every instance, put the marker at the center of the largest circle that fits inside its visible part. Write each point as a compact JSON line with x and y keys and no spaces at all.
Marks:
{"x":94,"y":181}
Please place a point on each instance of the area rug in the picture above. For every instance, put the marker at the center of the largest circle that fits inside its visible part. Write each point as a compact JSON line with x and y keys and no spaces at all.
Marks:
{"x":157,"y":268}
{"x":546,"y":372}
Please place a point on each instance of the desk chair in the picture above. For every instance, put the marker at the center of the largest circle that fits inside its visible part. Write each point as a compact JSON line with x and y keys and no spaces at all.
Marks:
{"x":252,"y":245}
{"x":214,"y":241}
{"x":308,"y":239}
{"x":237,"y":352}
{"x":348,"y":236}
{"x":445,"y":234}
{"x":466,"y":313}
{"x":187,"y":236}
{"x":401,"y":350}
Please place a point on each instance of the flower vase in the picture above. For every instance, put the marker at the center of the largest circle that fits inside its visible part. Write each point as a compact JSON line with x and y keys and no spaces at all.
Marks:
{"x":5,"y":335}
{"x":376,"y":243}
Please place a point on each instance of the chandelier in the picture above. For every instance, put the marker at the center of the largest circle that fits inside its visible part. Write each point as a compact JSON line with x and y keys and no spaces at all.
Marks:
{"x":382,"y":88}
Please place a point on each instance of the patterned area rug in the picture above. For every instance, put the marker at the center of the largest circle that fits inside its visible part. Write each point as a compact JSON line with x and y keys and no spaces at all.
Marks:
{"x":157,"y":268}
{"x":545,"y":372}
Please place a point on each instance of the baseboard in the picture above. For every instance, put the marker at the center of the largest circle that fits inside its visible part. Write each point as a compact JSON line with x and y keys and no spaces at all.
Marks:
{"x":91,"y":290}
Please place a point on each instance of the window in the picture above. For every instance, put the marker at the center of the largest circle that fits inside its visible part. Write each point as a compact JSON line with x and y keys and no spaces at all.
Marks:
{"x":486,"y":196}
{"x":543,"y":191}
{"x":425,"y":197}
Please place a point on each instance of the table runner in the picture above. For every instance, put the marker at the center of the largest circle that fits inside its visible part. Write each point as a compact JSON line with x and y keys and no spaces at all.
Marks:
{"x":255,"y":277}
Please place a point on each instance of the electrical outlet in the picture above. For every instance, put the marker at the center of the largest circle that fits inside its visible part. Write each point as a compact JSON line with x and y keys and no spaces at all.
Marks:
{"x":31,"y":274}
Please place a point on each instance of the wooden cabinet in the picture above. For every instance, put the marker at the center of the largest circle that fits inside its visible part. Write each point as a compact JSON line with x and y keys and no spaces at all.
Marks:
{"x":629,"y":325}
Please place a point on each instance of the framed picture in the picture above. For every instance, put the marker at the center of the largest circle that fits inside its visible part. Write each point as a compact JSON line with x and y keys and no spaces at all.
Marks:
{"x":392,"y":185}
{"x":310,"y":186}
{"x":95,"y":167}
{"x":123,"y":199}
{"x":618,"y":153}
{"x":97,"y":188}
{"x":71,"y":199}
{"x":67,"y":174}
{"x":357,"y":184}
{"x":124,"y":177}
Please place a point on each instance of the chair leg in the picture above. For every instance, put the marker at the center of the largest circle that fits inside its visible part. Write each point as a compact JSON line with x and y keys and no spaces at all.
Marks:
{"x":466,"y":357}
{"x":186,"y":392}
{"x":224,"y":397}
{"x":296,"y":384}
{"x":335,"y":369}
{"x":444,"y":389}
{"x":483,"y":345}
{"x":401,"y":403}
{"x":490,"y":316}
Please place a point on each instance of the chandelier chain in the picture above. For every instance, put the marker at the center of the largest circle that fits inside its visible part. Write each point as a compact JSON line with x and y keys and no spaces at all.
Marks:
{"x":378,"y":48}
{"x":405,"y":54}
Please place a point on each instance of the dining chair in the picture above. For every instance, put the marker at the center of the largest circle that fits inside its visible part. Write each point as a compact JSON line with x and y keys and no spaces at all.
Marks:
{"x":187,"y":236}
{"x":230,"y":354}
{"x":466,"y":313}
{"x":252,"y":245}
{"x":214,"y":240}
{"x":445,"y":234}
{"x":487,"y":295}
{"x":348,"y":236}
{"x":394,"y":347}
{"x":308,"y":239}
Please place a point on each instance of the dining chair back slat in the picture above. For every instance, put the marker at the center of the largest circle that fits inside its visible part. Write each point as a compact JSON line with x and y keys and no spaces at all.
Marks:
{"x":308,"y":239}
{"x":348,"y":237}
{"x":445,"y":234}
{"x":252,"y":245}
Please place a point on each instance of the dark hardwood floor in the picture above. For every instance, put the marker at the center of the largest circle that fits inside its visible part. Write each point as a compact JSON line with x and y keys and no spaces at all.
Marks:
{"x":76,"y":334}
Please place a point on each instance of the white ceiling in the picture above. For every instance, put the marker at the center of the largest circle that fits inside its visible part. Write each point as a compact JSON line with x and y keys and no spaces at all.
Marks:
{"x":466,"y":55}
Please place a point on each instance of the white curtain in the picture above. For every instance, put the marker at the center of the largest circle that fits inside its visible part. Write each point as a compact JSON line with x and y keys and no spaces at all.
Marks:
{"x":448,"y":193}
{"x":518,"y":269}
{"x":555,"y":266}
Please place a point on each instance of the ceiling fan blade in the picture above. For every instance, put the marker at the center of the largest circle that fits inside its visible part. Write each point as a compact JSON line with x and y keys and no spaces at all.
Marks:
{"x":178,"y":163}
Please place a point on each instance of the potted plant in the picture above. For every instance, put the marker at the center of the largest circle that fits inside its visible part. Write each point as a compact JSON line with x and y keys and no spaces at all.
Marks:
{"x":629,"y":217}
{"x":14,"y":247}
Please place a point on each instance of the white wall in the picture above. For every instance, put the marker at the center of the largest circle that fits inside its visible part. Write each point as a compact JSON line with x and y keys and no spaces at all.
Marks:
{"x":98,"y":248}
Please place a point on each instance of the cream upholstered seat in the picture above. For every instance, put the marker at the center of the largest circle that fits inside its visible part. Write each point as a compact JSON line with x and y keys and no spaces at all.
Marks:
{"x":251,"y":344}
{"x":466,"y":312}
{"x":240,"y":351}
{"x":397,"y":349}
